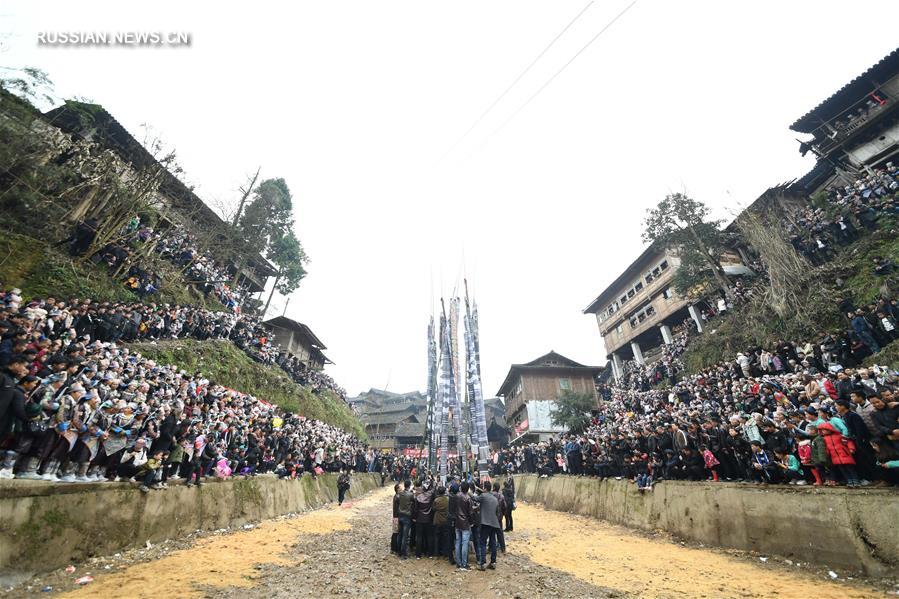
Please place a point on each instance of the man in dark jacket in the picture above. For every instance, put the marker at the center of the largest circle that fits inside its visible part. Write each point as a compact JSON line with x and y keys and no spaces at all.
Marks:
{"x":844,"y":386}
{"x":463,"y":517}
{"x":12,"y":407}
{"x":404,"y":507}
{"x":491,"y":516}
{"x":343,"y":484}
{"x":761,"y":464}
{"x":443,"y":528}
{"x":509,"y":500}
{"x":424,"y":521}
{"x":865,"y":461}
{"x":863,"y":330}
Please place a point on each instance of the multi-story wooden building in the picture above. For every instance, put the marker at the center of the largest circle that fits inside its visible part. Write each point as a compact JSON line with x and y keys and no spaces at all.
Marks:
{"x":857,"y":127}
{"x":637,"y":312}
{"x":298,"y":340}
{"x":530,"y":391}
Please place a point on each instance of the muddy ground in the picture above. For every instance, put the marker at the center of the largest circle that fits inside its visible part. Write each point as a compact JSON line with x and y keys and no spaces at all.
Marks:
{"x":337,"y":552}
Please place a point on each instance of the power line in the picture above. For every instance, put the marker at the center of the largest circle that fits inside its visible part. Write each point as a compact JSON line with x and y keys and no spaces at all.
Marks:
{"x":517,"y":79}
{"x":564,"y":66}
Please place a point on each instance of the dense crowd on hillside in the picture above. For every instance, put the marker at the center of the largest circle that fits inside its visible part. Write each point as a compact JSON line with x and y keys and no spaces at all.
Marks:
{"x":76,"y":405}
{"x":199,"y":269}
{"x":798,"y":412}
{"x":847,"y":212}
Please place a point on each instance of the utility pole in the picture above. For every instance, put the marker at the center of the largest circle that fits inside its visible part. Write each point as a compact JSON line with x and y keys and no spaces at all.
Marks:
{"x":275,"y":284}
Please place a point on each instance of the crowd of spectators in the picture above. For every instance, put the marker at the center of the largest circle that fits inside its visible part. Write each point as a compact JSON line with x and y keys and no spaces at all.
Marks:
{"x":669,"y":366}
{"x":76,"y":405}
{"x":846,"y":213}
{"x":200,"y":270}
{"x":176,"y":246}
{"x":666,"y":369}
{"x":800,"y":425}
{"x":793,"y":412}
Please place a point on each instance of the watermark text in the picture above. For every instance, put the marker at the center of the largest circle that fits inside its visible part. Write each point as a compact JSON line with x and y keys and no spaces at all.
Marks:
{"x":117,"y":38}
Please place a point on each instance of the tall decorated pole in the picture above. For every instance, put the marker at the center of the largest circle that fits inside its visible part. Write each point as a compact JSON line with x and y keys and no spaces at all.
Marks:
{"x":444,"y":399}
{"x":454,"y":339}
{"x":480,"y":443}
{"x":472,"y":404}
{"x":458,"y":418}
{"x":433,"y":432}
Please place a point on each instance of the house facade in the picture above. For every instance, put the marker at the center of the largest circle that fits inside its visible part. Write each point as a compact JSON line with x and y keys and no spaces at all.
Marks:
{"x":531,"y":390}
{"x":857,"y":127}
{"x":298,"y":340}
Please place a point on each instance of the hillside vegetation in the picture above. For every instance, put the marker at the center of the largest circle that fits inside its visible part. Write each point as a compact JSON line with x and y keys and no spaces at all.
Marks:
{"x":41,"y":270}
{"x":849,"y":274}
{"x":225,"y":364}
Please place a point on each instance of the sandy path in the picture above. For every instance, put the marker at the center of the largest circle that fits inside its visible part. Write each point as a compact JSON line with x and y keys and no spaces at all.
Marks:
{"x":343,"y":551}
{"x":616,"y":557}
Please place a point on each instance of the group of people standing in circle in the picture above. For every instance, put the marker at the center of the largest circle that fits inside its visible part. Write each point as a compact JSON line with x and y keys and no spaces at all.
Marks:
{"x":445,"y":520}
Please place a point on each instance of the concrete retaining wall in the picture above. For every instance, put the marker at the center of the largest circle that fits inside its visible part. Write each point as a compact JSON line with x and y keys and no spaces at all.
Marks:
{"x":855,"y":529}
{"x":43,"y":526}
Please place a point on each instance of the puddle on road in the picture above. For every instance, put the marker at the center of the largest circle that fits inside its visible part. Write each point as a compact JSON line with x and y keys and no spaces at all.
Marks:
{"x":613,"y":557}
{"x":222,"y":561}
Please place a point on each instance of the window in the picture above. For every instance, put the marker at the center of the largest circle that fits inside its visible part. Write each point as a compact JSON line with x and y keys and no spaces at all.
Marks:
{"x":663,"y":265}
{"x":667,"y":294}
{"x":618,"y":329}
{"x":641,"y":316}
{"x":565,"y":384}
{"x":638,"y":286}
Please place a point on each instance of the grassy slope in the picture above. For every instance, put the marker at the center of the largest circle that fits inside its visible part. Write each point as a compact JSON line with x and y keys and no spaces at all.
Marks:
{"x":41,"y":270}
{"x":227,"y":365}
{"x":755,"y":324}
{"x":888,"y":357}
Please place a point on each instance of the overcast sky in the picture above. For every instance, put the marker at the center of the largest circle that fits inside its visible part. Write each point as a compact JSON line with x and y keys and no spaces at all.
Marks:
{"x":355,"y":104}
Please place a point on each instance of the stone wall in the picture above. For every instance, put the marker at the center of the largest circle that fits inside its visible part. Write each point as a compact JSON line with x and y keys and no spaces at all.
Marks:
{"x":855,"y":529}
{"x":43,"y":526}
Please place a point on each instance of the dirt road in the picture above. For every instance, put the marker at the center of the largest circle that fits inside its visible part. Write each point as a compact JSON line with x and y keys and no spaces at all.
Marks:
{"x":336,"y":552}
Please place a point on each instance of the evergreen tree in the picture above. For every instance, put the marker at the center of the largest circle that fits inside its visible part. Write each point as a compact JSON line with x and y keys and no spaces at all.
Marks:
{"x":268,"y":216}
{"x":682,"y":224}
{"x":572,"y":410}
{"x":287,"y":254}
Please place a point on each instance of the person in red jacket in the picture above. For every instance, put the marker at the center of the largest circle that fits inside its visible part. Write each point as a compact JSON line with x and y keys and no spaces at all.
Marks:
{"x":840,"y":450}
